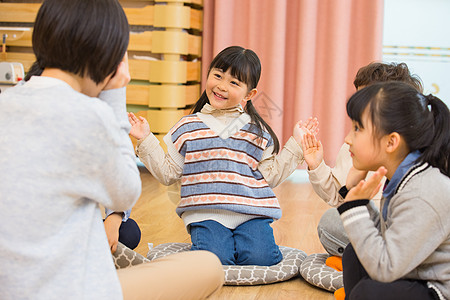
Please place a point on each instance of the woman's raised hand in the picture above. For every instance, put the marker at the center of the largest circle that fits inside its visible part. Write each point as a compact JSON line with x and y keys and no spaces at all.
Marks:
{"x":121,"y":77}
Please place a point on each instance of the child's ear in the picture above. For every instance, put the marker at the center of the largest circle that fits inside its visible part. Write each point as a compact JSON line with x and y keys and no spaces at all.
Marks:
{"x":251,"y":94}
{"x":393,"y":142}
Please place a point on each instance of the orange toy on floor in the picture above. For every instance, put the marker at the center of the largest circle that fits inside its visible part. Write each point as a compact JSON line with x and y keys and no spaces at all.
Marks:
{"x":339,"y":294}
{"x":334,"y":262}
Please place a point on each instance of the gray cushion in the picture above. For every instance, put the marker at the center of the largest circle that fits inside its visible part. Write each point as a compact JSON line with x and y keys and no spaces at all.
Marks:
{"x":245,"y":275}
{"x":124,"y":257}
{"x":314,"y":270}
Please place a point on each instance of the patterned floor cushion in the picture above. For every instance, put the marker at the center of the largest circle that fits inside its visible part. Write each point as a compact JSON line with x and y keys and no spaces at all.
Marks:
{"x":314,"y":270}
{"x":245,"y":275}
{"x":124,"y":257}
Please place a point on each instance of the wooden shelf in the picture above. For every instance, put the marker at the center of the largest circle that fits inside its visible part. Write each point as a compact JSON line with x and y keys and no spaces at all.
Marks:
{"x":164,"y":54}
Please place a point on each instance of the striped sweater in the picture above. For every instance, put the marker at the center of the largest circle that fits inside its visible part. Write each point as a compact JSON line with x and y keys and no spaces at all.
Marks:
{"x":220,"y":169}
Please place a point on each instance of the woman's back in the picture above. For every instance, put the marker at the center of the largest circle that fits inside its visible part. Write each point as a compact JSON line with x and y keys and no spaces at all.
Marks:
{"x":53,"y":176}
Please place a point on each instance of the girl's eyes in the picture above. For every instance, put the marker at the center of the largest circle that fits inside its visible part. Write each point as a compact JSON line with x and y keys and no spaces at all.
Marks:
{"x":233,"y":82}
{"x":355,"y":127}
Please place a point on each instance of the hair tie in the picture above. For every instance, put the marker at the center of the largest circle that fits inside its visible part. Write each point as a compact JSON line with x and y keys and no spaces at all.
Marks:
{"x":424,"y":100}
{"x":430,"y":98}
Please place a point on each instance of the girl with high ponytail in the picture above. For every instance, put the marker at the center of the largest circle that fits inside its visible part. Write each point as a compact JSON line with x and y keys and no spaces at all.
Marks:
{"x":404,"y":251}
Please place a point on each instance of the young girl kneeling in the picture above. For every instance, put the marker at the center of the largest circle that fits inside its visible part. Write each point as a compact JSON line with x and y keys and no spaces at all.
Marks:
{"x":226,"y":157}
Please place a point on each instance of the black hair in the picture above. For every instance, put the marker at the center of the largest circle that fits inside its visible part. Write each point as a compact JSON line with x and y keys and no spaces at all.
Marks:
{"x":422,"y":121}
{"x":245,"y":65}
{"x":382,"y":72}
{"x":35,"y":70}
{"x":83,"y":37}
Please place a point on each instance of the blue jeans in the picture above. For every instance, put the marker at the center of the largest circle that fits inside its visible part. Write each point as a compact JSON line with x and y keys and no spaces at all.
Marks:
{"x":251,"y":243}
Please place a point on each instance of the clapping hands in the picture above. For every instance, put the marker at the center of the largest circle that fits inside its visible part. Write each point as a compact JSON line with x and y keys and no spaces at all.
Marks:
{"x":305,"y":135}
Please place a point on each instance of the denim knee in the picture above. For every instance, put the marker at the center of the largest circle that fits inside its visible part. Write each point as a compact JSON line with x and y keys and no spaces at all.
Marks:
{"x":213,"y":237}
{"x":255,"y":244}
{"x":260,"y":257}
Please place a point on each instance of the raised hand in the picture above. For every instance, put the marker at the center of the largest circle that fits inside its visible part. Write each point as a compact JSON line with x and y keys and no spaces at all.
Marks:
{"x":312,"y":150}
{"x":139,"y":126}
{"x":311,"y":125}
{"x":121,"y":77}
{"x":367,"y":189}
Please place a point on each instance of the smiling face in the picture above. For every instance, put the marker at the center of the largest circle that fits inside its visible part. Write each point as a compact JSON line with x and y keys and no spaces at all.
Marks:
{"x":225,"y":91}
{"x":366,"y":151}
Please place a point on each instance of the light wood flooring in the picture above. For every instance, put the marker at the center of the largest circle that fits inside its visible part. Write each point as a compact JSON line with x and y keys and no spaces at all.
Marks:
{"x":302,"y":209}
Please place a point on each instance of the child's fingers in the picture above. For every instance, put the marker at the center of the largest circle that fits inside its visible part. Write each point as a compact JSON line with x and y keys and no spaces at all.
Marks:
{"x":382,"y":170}
{"x":374,"y":181}
{"x":130,"y":118}
{"x":133,"y":116}
{"x":375,"y":191}
{"x":312,"y":140}
{"x":312,"y":124}
{"x":121,"y":77}
{"x":316,"y":126}
{"x":304,"y":144}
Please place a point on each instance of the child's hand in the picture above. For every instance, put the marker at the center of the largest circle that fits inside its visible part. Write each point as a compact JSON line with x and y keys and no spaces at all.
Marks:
{"x":311,"y":125}
{"x":354,"y":177}
{"x":312,"y":150}
{"x":139,"y":127}
{"x":122,"y":76}
{"x":367,"y":189}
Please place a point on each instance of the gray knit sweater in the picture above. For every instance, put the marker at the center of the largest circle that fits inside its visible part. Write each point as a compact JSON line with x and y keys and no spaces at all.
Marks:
{"x":414,"y":240}
{"x":61,"y":155}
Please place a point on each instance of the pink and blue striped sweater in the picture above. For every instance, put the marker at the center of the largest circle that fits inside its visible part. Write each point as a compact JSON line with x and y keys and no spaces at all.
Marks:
{"x":221,"y":171}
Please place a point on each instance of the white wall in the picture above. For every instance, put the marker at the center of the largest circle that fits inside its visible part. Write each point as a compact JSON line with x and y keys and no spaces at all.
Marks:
{"x":417,"y":32}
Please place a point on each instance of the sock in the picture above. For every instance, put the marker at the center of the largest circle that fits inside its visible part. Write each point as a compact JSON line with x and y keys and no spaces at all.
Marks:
{"x":339,"y":294}
{"x":334,"y":262}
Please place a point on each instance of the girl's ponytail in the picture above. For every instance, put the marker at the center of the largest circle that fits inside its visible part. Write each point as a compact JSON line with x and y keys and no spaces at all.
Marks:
{"x":438,"y":153}
{"x":200,"y":103}
{"x":259,"y":122}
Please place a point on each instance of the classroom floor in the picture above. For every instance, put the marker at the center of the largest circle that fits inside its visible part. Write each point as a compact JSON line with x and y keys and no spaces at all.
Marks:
{"x":302,"y":209}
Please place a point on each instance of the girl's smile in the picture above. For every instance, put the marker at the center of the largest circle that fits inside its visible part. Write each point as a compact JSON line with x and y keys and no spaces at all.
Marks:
{"x":225,"y":91}
{"x":219,"y":96}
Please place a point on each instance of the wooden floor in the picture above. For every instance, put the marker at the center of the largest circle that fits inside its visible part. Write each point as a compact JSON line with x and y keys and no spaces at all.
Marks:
{"x":302,"y":209}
